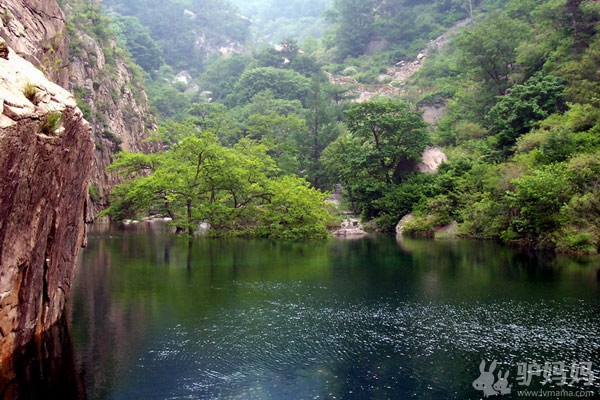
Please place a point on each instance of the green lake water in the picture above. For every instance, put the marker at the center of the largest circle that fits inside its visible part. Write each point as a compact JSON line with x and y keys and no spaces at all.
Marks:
{"x":155,"y":317}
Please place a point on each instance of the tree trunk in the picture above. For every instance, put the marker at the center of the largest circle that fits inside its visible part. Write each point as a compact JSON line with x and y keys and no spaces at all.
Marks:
{"x":189,"y":218}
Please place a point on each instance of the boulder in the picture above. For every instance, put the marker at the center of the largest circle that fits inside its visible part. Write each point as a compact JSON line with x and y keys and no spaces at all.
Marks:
{"x":351,"y":227}
{"x":400,"y":226}
{"x":432,"y":158}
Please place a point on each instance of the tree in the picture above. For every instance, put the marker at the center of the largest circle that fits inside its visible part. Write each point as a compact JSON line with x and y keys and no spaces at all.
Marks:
{"x":236,"y":190}
{"x":354,"y":26}
{"x":385,"y":140}
{"x":321,"y":116}
{"x":136,"y":38}
{"x":525,"y":105}
{"x":221,"y":76}
{"x":489,"y":50}
{"x":283,"y":83}
{"x":278,"y":132}
{"x":392,"y":136}
{"x":537,"y":200}
{"x":294,"y":211}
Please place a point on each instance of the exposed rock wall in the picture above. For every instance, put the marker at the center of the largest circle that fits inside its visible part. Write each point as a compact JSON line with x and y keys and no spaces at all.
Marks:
{"x":45,"y":162}
{"x":35,"y":29}
{"x":116,"y":107}
{"x":113,"y":100}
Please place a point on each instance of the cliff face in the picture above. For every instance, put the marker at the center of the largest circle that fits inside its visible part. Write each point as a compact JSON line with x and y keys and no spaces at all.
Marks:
{"x":112,"y":99}
{"x":116,"y":107}
{"x":45,"y":157}
{"x":49,"y":153}
{"x":35,"y":29}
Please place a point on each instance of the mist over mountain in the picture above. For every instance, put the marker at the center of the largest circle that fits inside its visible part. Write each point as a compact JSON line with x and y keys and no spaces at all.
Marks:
{"x":276,"y":20}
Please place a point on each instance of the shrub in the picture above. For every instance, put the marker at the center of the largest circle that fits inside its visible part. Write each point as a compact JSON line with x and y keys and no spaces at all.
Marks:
{"x":420,"y":227}
{"x":52,"y":122}
{"x":94,"y":193}
{"x":30,"y":91}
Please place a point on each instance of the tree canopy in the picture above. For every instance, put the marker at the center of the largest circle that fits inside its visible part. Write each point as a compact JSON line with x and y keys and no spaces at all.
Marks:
{"x":235,"y":190}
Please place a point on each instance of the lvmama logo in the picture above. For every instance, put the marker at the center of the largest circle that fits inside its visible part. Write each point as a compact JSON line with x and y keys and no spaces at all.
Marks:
{"x":487,"y":382}
{"x":554,"y":374}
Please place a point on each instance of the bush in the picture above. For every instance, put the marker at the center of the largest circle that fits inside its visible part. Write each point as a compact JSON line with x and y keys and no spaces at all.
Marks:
{"x":482,"y":219}
{"x":536,"y":201}
{"x":573,"y":241}
{"x":30,"y":91}
{"x":420,"y":227}
{"x":52,"y":122}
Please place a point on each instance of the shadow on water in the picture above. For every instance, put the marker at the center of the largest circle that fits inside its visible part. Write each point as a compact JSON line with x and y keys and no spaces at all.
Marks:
{"x":45,"y":369}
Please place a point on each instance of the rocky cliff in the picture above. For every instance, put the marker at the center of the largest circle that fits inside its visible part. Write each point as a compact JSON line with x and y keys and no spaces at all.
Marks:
{"x":116,"y":106}
{"x":49,"y":153}
{"x":46,"y":157}
{"x":35,"y":29}
{"x":108,"y":91}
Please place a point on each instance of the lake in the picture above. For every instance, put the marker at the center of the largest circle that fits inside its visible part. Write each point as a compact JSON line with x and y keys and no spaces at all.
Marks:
{"x":153,"y":316}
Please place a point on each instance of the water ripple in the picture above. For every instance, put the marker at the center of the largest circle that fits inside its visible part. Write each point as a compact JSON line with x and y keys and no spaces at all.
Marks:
{"x":285,"y":335}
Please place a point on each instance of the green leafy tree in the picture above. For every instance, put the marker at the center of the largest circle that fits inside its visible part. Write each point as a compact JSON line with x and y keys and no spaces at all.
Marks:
{"x":283,"y":83}
{"x":234,"y":189}
{"x":321,"y":115}
{"x":536,"y":202}
{"x":385,"y":140}
{"x":354,"y":21}
{"x":392,"y":136}
{"x":136,"y":38}
{"x":520,"y":110}
{"x":489,"y":50}
{"x":278,"y":132}
{"x":294,"y":211}
{"x":221,"y":75}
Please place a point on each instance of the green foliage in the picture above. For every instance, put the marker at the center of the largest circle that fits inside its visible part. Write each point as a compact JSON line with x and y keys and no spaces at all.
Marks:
{"x":537,"y":200}
{"x":355,"y":26}
{"x":400,"y":29}
{"x":520,"y":85}
{"x":30,"y":91}
{"x":392,"y":137}
{"x":135,"y":37}
{"x":295,"y":211}
{"x":52,"y":122}
{"x":525,"y":105}
{"x":281,"y":19}
{"x":385,"y":140}
{"x":489,"y":50}
{"x":283,"y":83}
{"x":168,"y":102}
{"x":232,"y":189}
{"x":184,"y":30}
{"x":221,"y":76}
{"x":580,"y":219}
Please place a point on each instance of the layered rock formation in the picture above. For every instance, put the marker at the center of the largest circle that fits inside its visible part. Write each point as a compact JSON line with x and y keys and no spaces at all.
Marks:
{"x":46,"y":156}
{"x":35,"y":29}
{"x":116,"y":107}
{"x":114,"y":103}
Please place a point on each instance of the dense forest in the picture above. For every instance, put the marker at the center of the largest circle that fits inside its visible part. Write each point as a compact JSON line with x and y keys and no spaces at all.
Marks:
{"x":253,"y":130}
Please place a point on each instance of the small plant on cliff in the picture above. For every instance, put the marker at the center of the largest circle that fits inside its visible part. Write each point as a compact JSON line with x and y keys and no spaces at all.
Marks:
{"x":94,"y":193}
{"x":30,"y":91}
{"x":6,"y":17}
{"x":52,"y":122}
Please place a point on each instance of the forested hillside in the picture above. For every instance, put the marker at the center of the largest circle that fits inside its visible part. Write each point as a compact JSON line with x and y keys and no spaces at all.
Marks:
{"x":522,"y":129}
{"x":518,"y":83}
